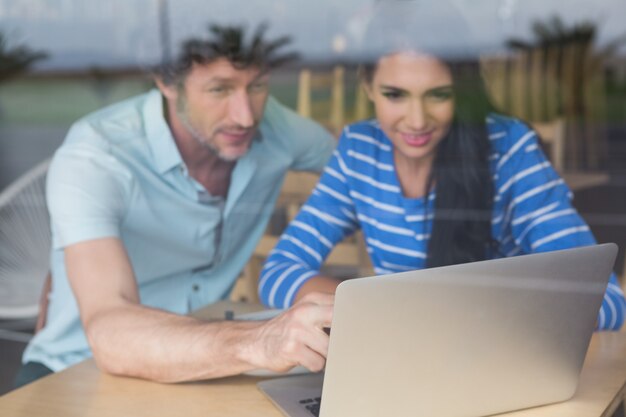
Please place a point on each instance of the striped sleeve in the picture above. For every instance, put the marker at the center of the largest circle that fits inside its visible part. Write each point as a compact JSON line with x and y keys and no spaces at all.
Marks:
{"x":611,"y":315}
{"x":323,"y":221}
{"x":537,"y":210}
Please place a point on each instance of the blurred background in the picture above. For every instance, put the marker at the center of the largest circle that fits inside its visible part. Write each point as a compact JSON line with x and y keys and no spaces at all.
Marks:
{"x":543,"y":59}
{"x":558,"y":64}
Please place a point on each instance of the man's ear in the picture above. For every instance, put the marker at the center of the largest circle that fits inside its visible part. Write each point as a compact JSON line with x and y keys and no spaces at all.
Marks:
{"x":169,"y":91}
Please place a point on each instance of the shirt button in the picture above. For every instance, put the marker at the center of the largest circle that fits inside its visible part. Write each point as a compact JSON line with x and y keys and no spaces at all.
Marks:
{"x":195,"y":287}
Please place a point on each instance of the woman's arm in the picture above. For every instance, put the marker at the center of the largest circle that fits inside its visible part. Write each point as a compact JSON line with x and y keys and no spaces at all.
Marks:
{"x":538,"y":214}
{"x":292,"y":269}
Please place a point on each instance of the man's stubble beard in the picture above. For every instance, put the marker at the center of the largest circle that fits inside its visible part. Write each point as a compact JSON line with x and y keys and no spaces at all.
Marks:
{"x":205,"y":142}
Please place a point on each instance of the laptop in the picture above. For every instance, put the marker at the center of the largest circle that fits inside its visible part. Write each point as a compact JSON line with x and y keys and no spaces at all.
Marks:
{"x":465,"y":340}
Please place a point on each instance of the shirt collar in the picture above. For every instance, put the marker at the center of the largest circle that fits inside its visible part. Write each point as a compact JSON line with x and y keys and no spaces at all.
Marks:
{"x":164,"y":150}
{"x":167,"y":157}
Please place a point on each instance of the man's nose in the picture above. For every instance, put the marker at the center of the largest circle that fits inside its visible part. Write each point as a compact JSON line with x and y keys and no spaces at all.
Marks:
{"x":241,"y":110}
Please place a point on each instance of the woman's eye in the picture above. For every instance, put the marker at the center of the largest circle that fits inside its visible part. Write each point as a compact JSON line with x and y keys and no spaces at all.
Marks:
{"x":441,"y":95}
{"x":392,"y":95}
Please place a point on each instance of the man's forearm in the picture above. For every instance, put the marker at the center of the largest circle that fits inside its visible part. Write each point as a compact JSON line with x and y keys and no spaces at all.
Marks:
{"x":138,"y":341}
{"x":127,"y":338}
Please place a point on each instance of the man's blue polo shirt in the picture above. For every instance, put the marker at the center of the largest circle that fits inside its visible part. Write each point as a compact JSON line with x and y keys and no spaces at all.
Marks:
{"x":119,"y":174}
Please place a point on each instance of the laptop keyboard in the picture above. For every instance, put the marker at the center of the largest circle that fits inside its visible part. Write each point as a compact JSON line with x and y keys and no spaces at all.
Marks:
{"x":312,"y":404}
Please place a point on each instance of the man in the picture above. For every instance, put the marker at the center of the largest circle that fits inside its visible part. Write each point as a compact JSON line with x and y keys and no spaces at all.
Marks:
{"x":156,"y":205}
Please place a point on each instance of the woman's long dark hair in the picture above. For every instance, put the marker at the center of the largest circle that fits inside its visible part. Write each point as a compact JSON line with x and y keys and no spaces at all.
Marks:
{"x":461,"y":176}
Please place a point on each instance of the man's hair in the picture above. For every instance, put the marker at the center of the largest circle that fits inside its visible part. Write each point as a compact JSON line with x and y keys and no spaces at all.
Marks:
{"x":228,"y":42}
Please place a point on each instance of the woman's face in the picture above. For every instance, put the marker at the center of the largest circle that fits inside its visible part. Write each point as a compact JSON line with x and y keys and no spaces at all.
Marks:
{"x":414,"y":101}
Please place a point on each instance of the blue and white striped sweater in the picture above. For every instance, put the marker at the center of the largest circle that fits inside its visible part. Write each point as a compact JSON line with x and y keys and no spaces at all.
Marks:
{"x":359,"y":189}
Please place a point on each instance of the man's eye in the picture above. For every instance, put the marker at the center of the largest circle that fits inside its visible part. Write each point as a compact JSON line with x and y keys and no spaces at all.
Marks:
{"x":258,"y":87}
{"x":218,"y":90}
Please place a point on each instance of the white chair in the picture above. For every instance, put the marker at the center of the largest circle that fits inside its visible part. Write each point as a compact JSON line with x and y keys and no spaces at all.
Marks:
{"x":24,"y":244}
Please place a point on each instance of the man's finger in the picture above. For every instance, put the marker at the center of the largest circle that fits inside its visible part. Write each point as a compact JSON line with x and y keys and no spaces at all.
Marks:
{"x":319,"y":316}
{"x":319,"y":298}
{"x":317,"y":341}
{"x":311,"y":360}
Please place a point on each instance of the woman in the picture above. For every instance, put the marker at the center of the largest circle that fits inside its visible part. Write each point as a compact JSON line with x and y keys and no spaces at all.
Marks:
{"x":436,"y":179}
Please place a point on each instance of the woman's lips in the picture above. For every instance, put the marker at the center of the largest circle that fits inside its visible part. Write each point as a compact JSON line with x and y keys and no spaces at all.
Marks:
{"x":416,"y":139}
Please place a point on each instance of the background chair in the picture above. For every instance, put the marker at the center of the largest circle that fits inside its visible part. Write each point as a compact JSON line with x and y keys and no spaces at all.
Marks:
{"x":321,"y":96}
{"x":24,"y":244}
{"x":545,"y":83}
{"x":552,"y":134}
{"x":348,"y":259}
{"x":333,"y":98}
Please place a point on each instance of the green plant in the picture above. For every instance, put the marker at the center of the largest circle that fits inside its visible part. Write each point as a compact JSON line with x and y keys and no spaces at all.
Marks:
{"x":17,"y":59}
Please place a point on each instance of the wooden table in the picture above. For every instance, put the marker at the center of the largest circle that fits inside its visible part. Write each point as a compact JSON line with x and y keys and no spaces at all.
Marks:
{"x":84,"y":391}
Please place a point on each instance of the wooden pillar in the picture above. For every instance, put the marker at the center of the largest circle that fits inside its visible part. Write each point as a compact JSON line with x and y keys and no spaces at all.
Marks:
{"x":304,"y":93}
{"x":518,"y":86}
{"x":551,"y":87}
{"x":337,"y":100}
{"x":536,"y":91}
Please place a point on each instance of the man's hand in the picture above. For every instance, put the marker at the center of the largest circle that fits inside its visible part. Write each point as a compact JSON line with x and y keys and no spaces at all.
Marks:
{"x":296,"y":337}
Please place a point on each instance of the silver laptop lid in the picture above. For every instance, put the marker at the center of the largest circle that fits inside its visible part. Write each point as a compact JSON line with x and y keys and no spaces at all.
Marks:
{"x":465,"y":340}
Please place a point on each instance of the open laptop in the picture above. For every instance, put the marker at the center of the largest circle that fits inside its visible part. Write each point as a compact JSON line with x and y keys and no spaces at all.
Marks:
{"x":465,"y":340}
